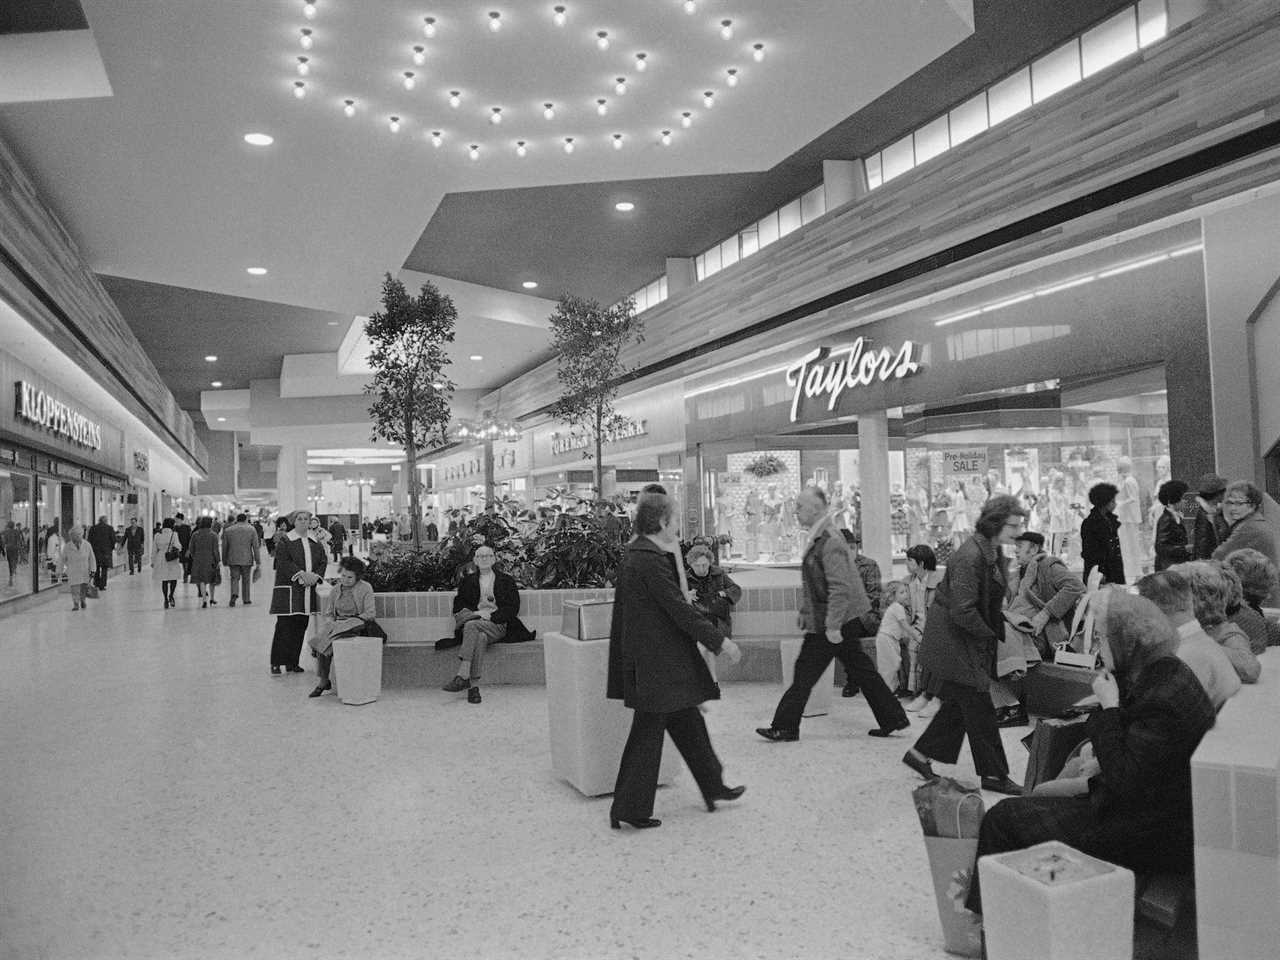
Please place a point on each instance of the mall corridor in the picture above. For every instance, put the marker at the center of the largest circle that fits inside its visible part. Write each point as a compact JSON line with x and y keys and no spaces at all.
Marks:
{"x":165,"y":797}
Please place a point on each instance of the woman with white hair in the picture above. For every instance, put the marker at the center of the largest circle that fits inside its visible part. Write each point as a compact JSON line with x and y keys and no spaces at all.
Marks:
{"x":1213,"y":588}
{"x":1151,"y":714}
{"x":78,"y":566}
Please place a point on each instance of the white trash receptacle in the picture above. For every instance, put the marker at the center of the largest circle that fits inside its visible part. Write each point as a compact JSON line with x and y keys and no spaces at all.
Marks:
{"x":357,"y":666}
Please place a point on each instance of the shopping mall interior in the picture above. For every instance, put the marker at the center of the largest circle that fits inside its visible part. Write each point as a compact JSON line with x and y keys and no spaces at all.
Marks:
{"x":914,"y":254}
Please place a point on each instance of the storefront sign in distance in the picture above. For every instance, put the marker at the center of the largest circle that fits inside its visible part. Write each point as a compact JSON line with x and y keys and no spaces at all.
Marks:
{"x":35,"y":406}
{"x":823,"y":372}
{"x":564,"y":443}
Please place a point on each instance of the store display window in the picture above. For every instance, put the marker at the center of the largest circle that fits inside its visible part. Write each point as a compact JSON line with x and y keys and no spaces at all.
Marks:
{"x":16,"y":536}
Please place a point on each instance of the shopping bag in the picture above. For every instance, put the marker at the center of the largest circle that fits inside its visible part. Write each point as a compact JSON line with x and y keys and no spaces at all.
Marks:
{"x":91,"y":591}
{"x":952,"y":862}
{"x":257,"y":573}
{"x":1055,"y":690}
{"x":1050,"y":743}
{"x":948,"y":808}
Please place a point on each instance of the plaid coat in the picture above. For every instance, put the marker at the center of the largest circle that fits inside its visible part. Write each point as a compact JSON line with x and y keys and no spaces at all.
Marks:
{"x":965,"y":620}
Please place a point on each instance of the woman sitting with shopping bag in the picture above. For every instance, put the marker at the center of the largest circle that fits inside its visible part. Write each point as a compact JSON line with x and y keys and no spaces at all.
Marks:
{"x":347,"y":611}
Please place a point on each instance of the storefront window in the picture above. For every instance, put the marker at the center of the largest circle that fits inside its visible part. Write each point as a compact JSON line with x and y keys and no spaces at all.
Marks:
{"x":15,"y":534}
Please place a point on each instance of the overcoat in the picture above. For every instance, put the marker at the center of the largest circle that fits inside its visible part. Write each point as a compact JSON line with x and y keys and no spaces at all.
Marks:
{"x":709,"y":589}
{"x":965,"y":621}
{"x":654,"y":663}
{"x":1171,"y":541}
{"x":1100,"y":546}
{"x":506,"y":594}
{"x":289,"y":598}
{"x":204,"y":554}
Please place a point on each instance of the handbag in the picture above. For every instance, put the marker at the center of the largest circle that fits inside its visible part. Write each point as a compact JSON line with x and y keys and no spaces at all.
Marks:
{"x":91,"y":591}
{"x":217,"y":576}
{"x":174,"y":551}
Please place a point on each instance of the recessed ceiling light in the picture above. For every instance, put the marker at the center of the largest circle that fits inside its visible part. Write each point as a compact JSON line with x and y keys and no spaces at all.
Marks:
{"x":495,"y":115}
{"x":394,"y":125}
{"x":602,"y":39}
{"x":419,"y":55}
{"x":620,"y":86}
{"x":568,"y":144}
{"x":259,"y":139}
{"x":731,"y":76}
{"x":349,"y":107}
{"x":642,"y":61}
{"x":476,"y":356}
{"x":666,"y":138}
{"x":530,"y":284}
{"x":429,"y":26}
{"x":437,"y":138}
{"x":549,"y":111}
{"x":304,"y":66}
{"x":558,"y":15}
{"x":617,"y":141}
{"x":726,"y":29}
{"x":211,"y":358}
{"x":757,"y":51}
{"x":305,"y":38}
{"x":686,"y":119}
{"x":521,"y":148}
{"x":409,"y":80}
{"x":215,"y":383}
{"x":495,"y":21}
{"x":299,"y":89}
{"x":332,"y":323}
{"x":474,"y":151}
{"x":222,"y":419}
{"x":624,"y":206}
{"x":602,"y":106}
{"x":708,"y":99}
{"x":256,"y":271}
{"x":455,"y":98}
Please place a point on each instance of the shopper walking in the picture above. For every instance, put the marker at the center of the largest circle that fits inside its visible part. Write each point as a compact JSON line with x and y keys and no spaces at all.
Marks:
{"x":242,"y":553}
{"x":655,"y":668}
{"x":337,"y":537}
{"x":961,"y":635}
{"x":183,"y":530}
{"x":300,"y":565}
{"x":11,"y":540}
{"x":78,"y":566}
{"x":134,"y":542}
{"x":834,"y":612}
{"x":1100,"y":536}
{"x":204,"y":560}
{"x":166,"y":560}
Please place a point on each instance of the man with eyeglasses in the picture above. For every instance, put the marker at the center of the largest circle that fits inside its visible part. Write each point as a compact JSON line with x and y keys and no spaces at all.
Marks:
{"x":1209,"y":528}
{"x":488,"y":602}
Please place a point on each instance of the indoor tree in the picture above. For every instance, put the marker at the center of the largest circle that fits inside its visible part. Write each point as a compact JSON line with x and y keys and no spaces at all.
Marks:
{"x":589,"y":341}
{"x":410,"y":392}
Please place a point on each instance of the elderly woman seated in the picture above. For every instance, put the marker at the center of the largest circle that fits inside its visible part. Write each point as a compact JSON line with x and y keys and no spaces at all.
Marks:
{"x":348,"y":611}
{"x":1213,"y":586}
{"x":714,"y":593}
{"x":1258,"y":580}
{"x":1170,"y":591}
{"x":1152,"y":712}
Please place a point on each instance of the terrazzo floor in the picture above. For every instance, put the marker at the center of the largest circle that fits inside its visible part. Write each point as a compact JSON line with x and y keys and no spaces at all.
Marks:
{"x":163,"y":797}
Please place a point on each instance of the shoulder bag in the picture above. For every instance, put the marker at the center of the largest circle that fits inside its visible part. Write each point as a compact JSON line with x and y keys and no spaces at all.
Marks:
{"x":174,"y":551}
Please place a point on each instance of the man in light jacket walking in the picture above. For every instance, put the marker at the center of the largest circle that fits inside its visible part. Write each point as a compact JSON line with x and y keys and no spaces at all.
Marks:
{"x":240,"y":552}
{"x":835,"y":614}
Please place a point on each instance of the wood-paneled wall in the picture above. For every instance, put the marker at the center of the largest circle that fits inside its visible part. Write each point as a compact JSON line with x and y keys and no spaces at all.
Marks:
{"x":1214,"y":80}
{"x":44,"y":278}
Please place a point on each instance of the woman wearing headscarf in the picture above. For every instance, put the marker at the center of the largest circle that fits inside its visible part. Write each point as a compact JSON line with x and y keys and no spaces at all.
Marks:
{"x":656,"y":670}
{"x":1151,"y":714}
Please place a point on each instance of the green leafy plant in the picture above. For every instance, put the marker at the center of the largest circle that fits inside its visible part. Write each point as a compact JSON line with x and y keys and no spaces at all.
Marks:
{"x":589,"y":340}
{"x":410,"y":392}
{"x":766,"y":465}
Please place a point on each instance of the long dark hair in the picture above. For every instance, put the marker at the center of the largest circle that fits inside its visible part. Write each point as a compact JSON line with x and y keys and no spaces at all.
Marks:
{"x":996,"y":513}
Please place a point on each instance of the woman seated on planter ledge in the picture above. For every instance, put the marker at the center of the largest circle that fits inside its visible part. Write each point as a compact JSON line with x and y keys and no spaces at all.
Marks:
{"x":484,"y":611}
{"x":348,"y":611}
{"x":714,"y":593}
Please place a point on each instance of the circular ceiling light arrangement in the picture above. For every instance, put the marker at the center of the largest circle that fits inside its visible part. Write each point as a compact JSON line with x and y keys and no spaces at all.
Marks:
{"x":690,"y":7}
{"x":259,"y":139}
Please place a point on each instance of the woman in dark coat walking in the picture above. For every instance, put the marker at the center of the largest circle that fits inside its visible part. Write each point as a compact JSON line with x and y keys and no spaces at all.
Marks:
{"x":958,"y":650}
{"x":656,"y":670}
{"x":1151,"y":716}
{"x":1100,"y":536}
{"x":204,"y":560}
{"x":1171,"y":535}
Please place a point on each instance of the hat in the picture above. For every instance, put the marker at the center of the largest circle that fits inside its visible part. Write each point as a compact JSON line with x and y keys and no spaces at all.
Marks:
{"x":1210,"y":485}
{"x":1030,"y":536}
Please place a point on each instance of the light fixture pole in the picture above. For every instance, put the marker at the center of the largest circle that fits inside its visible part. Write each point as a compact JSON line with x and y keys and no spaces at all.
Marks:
{"x":359,"y":484}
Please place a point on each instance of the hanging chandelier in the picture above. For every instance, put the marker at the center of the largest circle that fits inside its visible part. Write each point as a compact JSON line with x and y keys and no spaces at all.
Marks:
{"x":487,"y":428}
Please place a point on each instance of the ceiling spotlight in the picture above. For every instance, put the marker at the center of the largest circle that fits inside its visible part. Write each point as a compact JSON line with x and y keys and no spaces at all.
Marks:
{"x":602,"y":39}
{"x":708,"y":99}
{"x":215,"y":383}
{"x":620,"y":85}
{"x":530,"y":284}
{"x":211,"y":359}
{"x":686,"y":119}
{"x":568,"y":144}
{"x":349,"y":107}
{"x":455,"y":98}
{"x":521,"y":150}
{"x":419,"y":55}
{"x":602,"y":106}
{"x":642,"y":61}
{"x":299,"y":89}
{"x":304,"y":66}
{"x":558,"y":15}
{"x":624,"y":206}
{"x":259,"y":139}
{"x":495,"y":115}
{"x":549,"y":111}
{"x":666,"y":138}
{"x":476,"y":356}
{"x":437,"y":138}
{"x":309,"y":9}
{"x":409,"y":79}
{"x":222,"y":419}
{"x":429,"y":26}
{"x":256,"y":271}
{"x":726,"y":29}
{"x":617,"y":141}
{"x":731,"y":76}
{"x":473,"y":151}
{"x":394,"y":125}
{"x":690,"y":6}
{"x":757,"y":52}
{"x":305,"y":38}
{"x":495,"y":21}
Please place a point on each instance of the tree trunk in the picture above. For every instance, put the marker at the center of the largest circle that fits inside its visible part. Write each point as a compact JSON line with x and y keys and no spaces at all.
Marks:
{"x":599,"y":456}
{"x":411,"y":457}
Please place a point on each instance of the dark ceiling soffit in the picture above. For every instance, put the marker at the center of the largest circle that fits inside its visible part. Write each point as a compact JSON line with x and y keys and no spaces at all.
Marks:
{"x":42,"y":17}
{"x":1167,"y":174}
{"x":52,"y":306}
